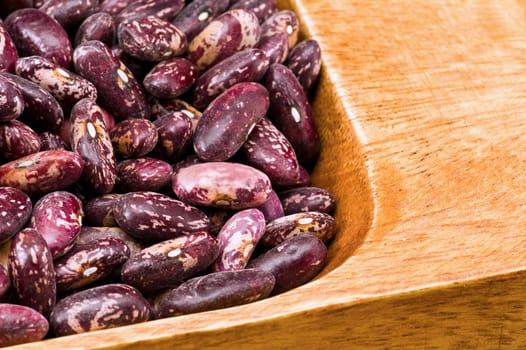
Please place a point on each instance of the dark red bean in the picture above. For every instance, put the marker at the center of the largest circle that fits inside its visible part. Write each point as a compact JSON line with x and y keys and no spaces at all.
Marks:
{"x":98,"y":211}
{"x":302,"y":199}
{"x":282,"y":21}
{"x":133,"y":138}
{"x":304,"y":61}
{"x":170,"y":78}
{"x":21,"y":324}
{"x":163,"y":9}
{"x":50,"y":141}
{"x":8,"y":51}
{"x":88,"y":234}
{"x":12,"y":99}
{"x":17,"y":140}
{"x":174,"y":136}
{"x":263,"y":9}
{"x":272,"y":208}
{"x":99,"y":26}
{"x":15,"y":211}
{"x":143,"y":174}
{"x":162,"y":107}
{"x":113,"y":7}
{"x":69,"y":13}
{"x":197,"y":14}
{"x":275,"y":47}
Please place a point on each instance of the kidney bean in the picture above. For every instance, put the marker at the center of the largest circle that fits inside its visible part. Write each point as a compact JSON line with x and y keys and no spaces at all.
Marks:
{"x":216,"y":291}
{"x":5,"y":282}
{"x":41,"y":110}
{"x":174,"y":132}
{"x":293,"y":262}
{"x":153,"y":217}
{"x":57,"y":217}
{"x":36,"y":33}
{"x":275,"y":47}
{"x":8,"y":51}
{"x":263,"y":9}
{"x":169,"y":262}
{"x":96,"y":308}
{"x":151,"y":39}
{"x":163,"y":9}
{"x":197,"y":14}
{"x":67,"y":87}
{"x":230,"y":32}
{"x":89,"y":262}
{"x":282,"y":21}
{"x":118,"y":90}
{"x":98,"y":211}
{"x":243,"y":66}
{"x":90,"y":139}
{"x":222,"y":184}
{"x":228,"y":120}
{"x":170,"y":78}
{"x":42,"y":172}
{"x":138,"y":68}
{"x":133,"y":138}
{"x":15,"y":211}
{"x":21,"y":324}
{"x":69,"y":13}
{"x":143,"y":174}
{"x":113,"y":7}
{"x":303,"y":199}
{"x":238,"y":238}
{"x":32,"y":272}
{"x":272,"y":208}
{"x":162,"y":107}
{"x":50,"y":141}
{"x":267,"y":149}
{"x":304,"y":61}
{"x":98,"y":26}
{"x":12,"y":100}
{"x":89,"y":234}
{"x":291,"y":113}
{"x":17,"y":140}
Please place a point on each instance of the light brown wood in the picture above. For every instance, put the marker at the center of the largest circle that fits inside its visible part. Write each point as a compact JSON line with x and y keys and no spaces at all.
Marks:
{"x":422,"y":111}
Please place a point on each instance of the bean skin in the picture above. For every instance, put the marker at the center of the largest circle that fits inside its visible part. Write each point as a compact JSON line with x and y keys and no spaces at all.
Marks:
{"x":15,"y":205}
{"x":12,"y":100}
{"x":89,"y":234}
{"x":197,"y":14}
{"x":98,"y":211}
{"x":163,"y":9}
{"x":133,"y":138}
{"x":282,"y":21}
{"x":263,"y":9}
{"x":21,"y":324}
{"x":69,"y":13}
{"x":143,"y":174}
{"x":170,"y":78}
{"x":99,"y":26}
{"x":174,"y":136}
{"x":302,"y":199}
{"x":50,"y":141}
{"x":8,"y":51}
{"x":17,"y":140}
{"x":272,"y":208}
{"x":275,"y":47}
{"x":304,"y":61}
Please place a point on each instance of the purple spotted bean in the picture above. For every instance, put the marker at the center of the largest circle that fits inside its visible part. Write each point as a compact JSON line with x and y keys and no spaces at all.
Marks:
{"x":169,"y":262}
{"x":99,"y":26}
{"x":32,"y":272}
{"x":49,"y":141}
{"x":244,"y":66}
{"x":302,"y":199}
{"x":272,"y":208}
{"x":98,"y":211}
{"x":263,"y":9}
{"x":95,"y":308}
{"x":216,"y":291}
{"x":304,"y":61}
{"x":91,"y":139}
{"x":229,"y":33}
{"x":69,"y":13}
{"x":36,"y":33}
{"x":113,"y":7}
{"x":133,"y":138}
{"x":238,"y":238}
{"x":170,"y":78}
{"x":15,"y":211}
{"x":8,"y":51}
{"x":154,"y":217}
{"x":90,"y":262}
{"x":11,"y":100}
{"x":17,"y":140}
{"x":282,"y":21}
{"x":222,"y":184}
{"x":174,"y":132}
{"x":293,"y":262}
{"x":5,"y":283}
{"x":21,"y":324}
{"x":197,"y":14}
{"x":275,"y":47}
{"x":228,"y":120}
{"x":118,"y":90}
{"x":143,"y":174}
{"x":57,"y":217}
{"x":162,"y":107}
{"x":42,"y":172}
{"x":163,"y":9}
{"x":88,"y":234}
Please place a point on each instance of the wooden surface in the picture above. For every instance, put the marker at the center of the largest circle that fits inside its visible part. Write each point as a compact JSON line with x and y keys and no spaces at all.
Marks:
{"x":422,"y":110}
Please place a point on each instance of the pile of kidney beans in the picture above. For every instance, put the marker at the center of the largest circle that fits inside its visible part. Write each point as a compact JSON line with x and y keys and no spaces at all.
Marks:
{"x":154,"y":161}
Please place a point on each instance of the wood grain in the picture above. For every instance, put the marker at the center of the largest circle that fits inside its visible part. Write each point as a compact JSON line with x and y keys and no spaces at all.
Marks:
{"x":422,"y":111}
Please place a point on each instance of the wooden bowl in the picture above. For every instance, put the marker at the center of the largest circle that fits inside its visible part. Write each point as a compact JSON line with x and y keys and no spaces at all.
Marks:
{"x":420,"y":106}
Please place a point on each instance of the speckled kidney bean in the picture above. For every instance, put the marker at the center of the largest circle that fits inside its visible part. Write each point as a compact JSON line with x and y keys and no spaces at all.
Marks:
{"x":238,"y":238}
{"x":118,"y":90}
{"x":275,"y":47}
{"x":302,"y":199}
{"x":41,"y":110}
{"x":21,"y":324}
{"x":138,"y":68}
{"x":282,"y":21}
{"x":96,"y":308}
{"x":174,"y":132}
{"x":17,"y":140}
{"x":15,"y":211}
{"x":98,"y":211}
{"x":91,"y":139}
{"x":272,"y":208}
{"x":67,"y":87}
{"x":153,"y":217}
{"x":5,"y":283}
{"x":222,"y":184}
{"x":304,"y":61}
{"x":69,"y":13}
{"x":197,"y":14}
{"x":162,"y":107}
{"x":11,"y":100}
{"x":90,"y":262}
{"x":291,"y":113}
{"x":143,"y":174}
{"x":133,"y":138}
{"x":151,"y":39}
{"x":88,"y":234}
{"x":32,"y":272}
{"x":313,"y":223}
{"x":163,"y":9}
{"x":113,"y":7}
{"x":228,"y":120}
{"x":42,"y":172}
{"x":230,"y":32}
{"x":50,"y":141}
{"x":216,"y":291}
{"x":8,"y":51}
{"x":170,"y":78}
{"x":263,"y":9}
{"x":293,"y":262}
{"x":36,"y":33}
{"x":57,"y":217}
{"x":243,"y":66}
{"x":267,"y":149}
{"x":98,"y":26}
{"x":167,"y":263}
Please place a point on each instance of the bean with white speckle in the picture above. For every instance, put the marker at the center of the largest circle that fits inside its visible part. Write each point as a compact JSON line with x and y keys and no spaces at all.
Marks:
{"x":11,"y":100}
{"x":275,"y":47}
{"x":69,"y":13}
{"x":15,"y":211}
{"x":21,"y":324}
{"x":163,"y":9}
{"x":143,"y":174}
{"x":170,"y":78}
{"x":50,"y":141}
{"x":305,"y":61}
{"x":17,"y":140}
{"x":263,"y":9}
{"x":282,"y":21}
{"x":99,"y":26}
{"x":163,"y":107}
{"x":196,"y":15}
{"x":8,"y":51}
{"x":272,"y":208}
{"x":174,"y":136}
{"x":309,"y":198}
{"x":113,"y":7}
{"x":133,"y":138}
